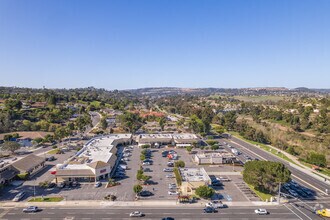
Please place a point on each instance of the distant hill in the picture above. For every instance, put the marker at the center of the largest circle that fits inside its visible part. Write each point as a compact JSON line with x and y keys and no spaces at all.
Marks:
{"x":171,"y":91}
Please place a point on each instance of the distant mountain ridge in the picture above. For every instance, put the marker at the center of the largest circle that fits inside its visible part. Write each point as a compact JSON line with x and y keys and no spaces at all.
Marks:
{"x":165,"y":91}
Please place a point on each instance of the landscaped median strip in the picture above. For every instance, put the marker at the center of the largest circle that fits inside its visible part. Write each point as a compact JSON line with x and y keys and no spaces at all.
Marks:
{"x":261,"y":195}
{"x":46,"y":199}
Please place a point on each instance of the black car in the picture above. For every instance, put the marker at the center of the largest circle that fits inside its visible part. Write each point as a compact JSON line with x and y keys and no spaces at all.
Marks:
{"x":210,"y":210}
{"x":164,"y":153}
{"x":51,"y":185}
{"x":147,"y":170}
{"x":168,"y":218}
{"x":145,"y":193}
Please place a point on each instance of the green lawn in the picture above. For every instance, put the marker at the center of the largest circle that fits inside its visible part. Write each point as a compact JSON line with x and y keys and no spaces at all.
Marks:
{"x":262,"y":196}
{"x":46,"y":199}
{"x":54,"y":151}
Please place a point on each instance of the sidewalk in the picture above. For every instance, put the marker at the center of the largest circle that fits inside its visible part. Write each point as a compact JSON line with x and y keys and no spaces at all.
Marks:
{"x":149,"y":203}
{"x":301,"y":167}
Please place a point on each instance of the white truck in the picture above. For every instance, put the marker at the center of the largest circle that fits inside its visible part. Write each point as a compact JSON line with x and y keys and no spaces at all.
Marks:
{"x":216,"y":204}
{"x":235,"y":151}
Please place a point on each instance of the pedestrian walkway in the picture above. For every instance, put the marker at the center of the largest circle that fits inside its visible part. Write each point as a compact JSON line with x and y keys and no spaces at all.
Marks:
{"x":149,"y":203}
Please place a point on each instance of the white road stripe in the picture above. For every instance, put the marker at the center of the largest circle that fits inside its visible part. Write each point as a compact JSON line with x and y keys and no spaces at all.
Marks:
{"x":293,"y":212}
{"x":291,"y":174}
{"x":301,"y":212}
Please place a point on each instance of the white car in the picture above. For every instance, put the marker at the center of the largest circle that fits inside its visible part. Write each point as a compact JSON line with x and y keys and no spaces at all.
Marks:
{"x":136,"y":214}
{"x":169,"y":176}
{"x":261,"y":211}
{"x":19,"y":196}
{"x":173,"y":193}
{"x":97,"y":184}
{"x":31,"y":209}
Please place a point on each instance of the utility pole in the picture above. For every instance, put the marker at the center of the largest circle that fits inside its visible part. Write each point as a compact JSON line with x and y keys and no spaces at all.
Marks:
{"x":279,"y":193}
{"x":34,"y":190}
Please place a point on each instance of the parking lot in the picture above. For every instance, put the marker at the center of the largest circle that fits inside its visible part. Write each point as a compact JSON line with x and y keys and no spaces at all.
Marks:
{"x":234,"y":190}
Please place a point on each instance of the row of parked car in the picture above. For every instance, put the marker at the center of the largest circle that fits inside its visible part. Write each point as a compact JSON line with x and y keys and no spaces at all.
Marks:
{"x":122,"y":167}
{"x":296,"y":190}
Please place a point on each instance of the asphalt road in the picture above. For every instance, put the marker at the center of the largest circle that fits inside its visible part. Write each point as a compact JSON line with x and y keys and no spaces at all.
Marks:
{"x":310,"y":182}
{"x":281,"y":212}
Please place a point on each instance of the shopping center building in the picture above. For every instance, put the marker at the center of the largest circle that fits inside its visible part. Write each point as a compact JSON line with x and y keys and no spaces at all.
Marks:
{"x":94,"y":161}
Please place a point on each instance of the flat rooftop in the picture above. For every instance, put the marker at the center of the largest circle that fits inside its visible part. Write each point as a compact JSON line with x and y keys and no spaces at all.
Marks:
{"x":97,"y":149}
{"x":215,"y":155}
{"x":194,"y":175}
{"x":184,"y":136}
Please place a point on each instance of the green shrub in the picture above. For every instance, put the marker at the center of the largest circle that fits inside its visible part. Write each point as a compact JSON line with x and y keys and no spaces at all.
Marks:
{"x":204,"y":192}
{"x":179,"y":163}
{"x":177,"y":176}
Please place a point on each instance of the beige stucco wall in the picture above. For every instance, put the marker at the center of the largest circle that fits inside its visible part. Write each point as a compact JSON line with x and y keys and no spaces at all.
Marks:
{"x":188,"y":188}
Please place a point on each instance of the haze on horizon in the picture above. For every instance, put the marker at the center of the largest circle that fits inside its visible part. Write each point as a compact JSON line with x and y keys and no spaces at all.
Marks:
{"x":193,"y":44}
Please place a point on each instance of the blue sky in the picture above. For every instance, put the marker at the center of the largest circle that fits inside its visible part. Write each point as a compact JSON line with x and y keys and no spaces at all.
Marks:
{"x":182,"y":43}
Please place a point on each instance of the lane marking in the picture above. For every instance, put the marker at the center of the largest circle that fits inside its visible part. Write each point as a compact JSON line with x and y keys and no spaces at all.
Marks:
{"x":289,"y":165}
{"x":293,"y":212}
{"x":301,"y":212}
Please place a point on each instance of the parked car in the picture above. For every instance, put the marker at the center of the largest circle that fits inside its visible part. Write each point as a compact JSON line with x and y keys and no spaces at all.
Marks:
{"x":19,"y":196}
{"x":31,"y":209}
{"x":169,"y":176}
{"x":136,"y":214}
{"x":51,"y":185}
{"x":168,"y":218}
{"x":147,"y":170}
{"x":293,"y":193}
{"x":168,"y":169}
{"x":146,"y":163}
{"x":97,"y":184}
{"x":164,"y":153}
{"x":223,"y":179}
{"x":75,"y":183}
{"x":210,"y":210}
{"x":173,"y":193}
{"x":61,"y":185}
{"x":145,"y":193}
{"x":261,"y":211}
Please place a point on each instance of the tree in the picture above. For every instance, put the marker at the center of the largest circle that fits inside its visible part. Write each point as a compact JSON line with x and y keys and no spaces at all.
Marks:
{"x":215,"y":147}
{"x":137,"y":188}
{"x":131,"y":121}
{"x":265,"y":176}
{"x":317,"y":159}
{"x":162,"y":122}
{"x":179,"y":163}
{"x":10,"y":146}
{"x":189,"y":149}
{"x":104,"y":123}
{"x":204,"y":192}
